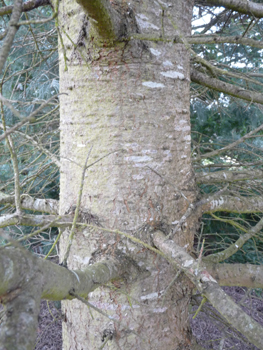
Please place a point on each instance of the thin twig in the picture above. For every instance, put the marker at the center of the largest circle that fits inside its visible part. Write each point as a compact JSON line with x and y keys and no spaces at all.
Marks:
{"x":54,"y":244}
{"x":41,"y":21}
{"x":231,"y":145}
{"x":12,"y":151}
{"x":199,"y":261}
{"x":16,"y":175}
{"x":35,"y":232}
{"x":72,"y":231}
{"x":170,"y":285}
{"x":25,"y":120}
{"x":235,"y":246}
{"x":204,"y":300}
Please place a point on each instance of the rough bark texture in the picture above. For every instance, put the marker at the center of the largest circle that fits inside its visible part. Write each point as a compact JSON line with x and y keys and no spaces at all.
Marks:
{"x":233,"y":204}
{"x":248,"y":275}
{"x":132,"y":100}
{"x":22,"y":299}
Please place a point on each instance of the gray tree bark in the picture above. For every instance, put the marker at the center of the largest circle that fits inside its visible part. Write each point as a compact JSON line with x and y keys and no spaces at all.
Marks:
{"x":125,"y":110}
{"x":129,"y":100}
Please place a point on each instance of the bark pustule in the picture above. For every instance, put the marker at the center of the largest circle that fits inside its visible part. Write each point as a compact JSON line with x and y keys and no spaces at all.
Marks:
{"x":130,"y":101}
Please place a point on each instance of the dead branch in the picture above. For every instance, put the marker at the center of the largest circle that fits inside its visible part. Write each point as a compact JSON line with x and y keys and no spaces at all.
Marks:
{"x":221,"y":86}
{"x":242,"y":275}
{"x":210,"y":289}
{"x":233,"y":204}
{"x":228,"y":176}
{"x":35,"y":204}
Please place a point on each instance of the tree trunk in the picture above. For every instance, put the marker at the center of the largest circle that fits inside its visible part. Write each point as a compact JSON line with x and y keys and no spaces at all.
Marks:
{"x":130,"y":103}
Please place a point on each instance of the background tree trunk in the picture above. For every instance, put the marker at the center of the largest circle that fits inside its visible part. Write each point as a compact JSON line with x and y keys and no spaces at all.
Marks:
{"x":130,"y":102}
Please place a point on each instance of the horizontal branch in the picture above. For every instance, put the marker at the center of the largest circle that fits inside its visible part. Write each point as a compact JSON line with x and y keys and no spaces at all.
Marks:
{"x":35,"y":204}
{"x":35,"y":220}
{"x":47,"y":280}
{"x":227,"y":165}
{"x":50,"y":206}
{"x":210,"y":204}
{"x":242,"y":275}
{"x":232,"y":204}
{"x":219,"y":72}
{"x":228,"y":176}
{"x":216,"y":39}
{"x":242,"y":6}
{"x":258,"y":75}
{"x":199,"y":39}
{"x":230,"y":89}
{"x":58,"y":281}
{"x":27,"y":6}
{"x":210,"y":289}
